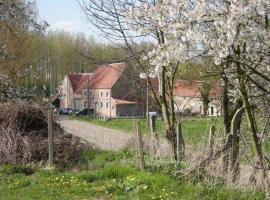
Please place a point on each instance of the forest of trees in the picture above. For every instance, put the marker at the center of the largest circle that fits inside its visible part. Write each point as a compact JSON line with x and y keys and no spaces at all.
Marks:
{"x":29,"y":51}
{"x":75,"y":53}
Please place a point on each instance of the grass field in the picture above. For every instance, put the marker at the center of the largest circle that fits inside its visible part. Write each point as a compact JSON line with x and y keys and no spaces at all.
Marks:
{"x":194,"y":129}
{"x":107,"y":175}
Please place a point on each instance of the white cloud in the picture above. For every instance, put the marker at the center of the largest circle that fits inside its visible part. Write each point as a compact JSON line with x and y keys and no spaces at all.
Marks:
{"x":67,"y":25}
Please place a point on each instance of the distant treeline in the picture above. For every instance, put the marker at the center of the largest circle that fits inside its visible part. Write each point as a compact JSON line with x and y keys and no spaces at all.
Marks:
{"x":67,"y":53}
{"x":29,"y":53}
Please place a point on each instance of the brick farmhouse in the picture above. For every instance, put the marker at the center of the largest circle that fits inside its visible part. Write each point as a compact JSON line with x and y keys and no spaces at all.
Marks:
{"x":110,"y":92}
{"x":188,"y":96}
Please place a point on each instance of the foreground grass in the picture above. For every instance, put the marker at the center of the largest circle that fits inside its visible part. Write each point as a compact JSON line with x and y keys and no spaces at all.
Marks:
{"x":195,"y":130}
{"x":107,"y":175}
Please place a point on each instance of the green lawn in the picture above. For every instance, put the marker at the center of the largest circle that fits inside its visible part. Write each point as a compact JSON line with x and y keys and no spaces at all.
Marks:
{"x":194,"y":129}
{"x":107,"y":175}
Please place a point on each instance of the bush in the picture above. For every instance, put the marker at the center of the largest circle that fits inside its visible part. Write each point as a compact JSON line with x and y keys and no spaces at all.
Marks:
{"x":17,"y":169}
{"x":24,"y":136}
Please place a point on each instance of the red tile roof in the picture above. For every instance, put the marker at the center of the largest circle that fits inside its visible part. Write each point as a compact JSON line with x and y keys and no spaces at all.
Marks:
{"x":83,"y":83}
{"x":185,"y":88}
{"x":106,"y":76}
{"x":77,"y":81}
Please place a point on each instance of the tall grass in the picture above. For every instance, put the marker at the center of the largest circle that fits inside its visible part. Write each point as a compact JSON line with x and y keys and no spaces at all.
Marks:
{"x":115,"y":176}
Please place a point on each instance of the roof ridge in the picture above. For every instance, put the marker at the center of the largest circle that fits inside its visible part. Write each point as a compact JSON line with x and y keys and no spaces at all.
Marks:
{"x":105,"y":76}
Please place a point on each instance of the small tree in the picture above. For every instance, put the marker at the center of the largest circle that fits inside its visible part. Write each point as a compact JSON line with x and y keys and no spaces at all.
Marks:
{"x":108,"y":16}
{"x":205,"y":92}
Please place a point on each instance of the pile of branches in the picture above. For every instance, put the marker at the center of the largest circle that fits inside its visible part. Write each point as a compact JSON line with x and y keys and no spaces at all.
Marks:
{"x":24,"y":136}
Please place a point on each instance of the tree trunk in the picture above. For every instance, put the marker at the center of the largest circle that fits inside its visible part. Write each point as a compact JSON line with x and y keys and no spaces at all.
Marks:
{"x":228,"y":115}
{"x":205,"y":106}
{"x":225,"y":104}
{"x":256,"y":141}
{"x":168,"y":114}
{"x":227,"y":124}
{"x":226,"y":155}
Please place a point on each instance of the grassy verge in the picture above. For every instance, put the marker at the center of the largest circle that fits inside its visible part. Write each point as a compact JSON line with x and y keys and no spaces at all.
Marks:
{"x":107,"y":175}
{"x":194,"y":129}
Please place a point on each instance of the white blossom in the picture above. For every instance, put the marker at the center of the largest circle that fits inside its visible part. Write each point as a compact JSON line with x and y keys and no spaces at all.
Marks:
{"x":215,"y":29}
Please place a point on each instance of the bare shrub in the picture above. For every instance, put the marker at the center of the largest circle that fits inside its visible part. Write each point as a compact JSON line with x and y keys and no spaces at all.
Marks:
{"x":24,"y":133}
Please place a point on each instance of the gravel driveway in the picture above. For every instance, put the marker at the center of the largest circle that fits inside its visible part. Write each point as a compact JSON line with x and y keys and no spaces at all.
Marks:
{"x":109,"y":139}
{"x":103,"y":138}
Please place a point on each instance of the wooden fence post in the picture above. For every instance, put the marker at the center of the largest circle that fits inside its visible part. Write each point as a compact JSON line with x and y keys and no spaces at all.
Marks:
{"x":153,"y":125}
{"x":234,"y":152}
{"x":211,"y":140}
{"x":153,"y":133}
{"x":180,"y":144}
{"x":140,"y":145}
{"x":50,"y":138}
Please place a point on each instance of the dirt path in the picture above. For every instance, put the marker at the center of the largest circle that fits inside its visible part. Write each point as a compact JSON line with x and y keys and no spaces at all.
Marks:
{"x":103,"y":138}
{"x":109,"y":139}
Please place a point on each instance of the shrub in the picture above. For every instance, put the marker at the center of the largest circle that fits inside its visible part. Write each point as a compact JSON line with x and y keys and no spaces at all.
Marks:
{"x":17,"y":169}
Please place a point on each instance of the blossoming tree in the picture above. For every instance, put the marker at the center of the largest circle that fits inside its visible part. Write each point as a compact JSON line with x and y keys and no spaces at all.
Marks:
{"x":235,"y":34}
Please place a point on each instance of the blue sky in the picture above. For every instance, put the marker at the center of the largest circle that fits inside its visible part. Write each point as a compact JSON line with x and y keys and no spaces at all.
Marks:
{"x":63,"y":14}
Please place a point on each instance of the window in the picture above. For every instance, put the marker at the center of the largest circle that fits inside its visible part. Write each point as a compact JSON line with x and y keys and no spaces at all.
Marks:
{"x":89,"y":103}
{"x":101,"y":94}
{"x":113,"y":107}
{"x":107,"y":94}
{"x":85,"y":93}
{"x":212,"y":110}
{"x":107,"y":104}
{"x":101,"y":104}
{"x":90,"y":94}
